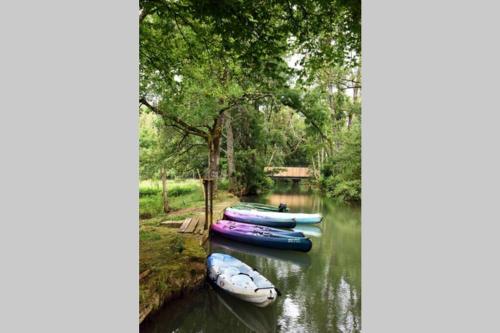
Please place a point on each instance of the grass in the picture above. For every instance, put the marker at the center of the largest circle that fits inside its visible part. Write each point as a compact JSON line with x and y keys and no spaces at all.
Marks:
{"x":173,"y":263}
{"x":181,"y":194}
{"x":172,"y":184}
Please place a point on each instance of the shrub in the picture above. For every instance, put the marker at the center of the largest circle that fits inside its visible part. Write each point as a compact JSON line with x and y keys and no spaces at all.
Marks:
{"x":223,"y":184}
{"x":341,"y":174}
{"x":150,"y":206}
{"x":148,"y":191}
{"x":348,"y":191}
{"x":181,"y":190}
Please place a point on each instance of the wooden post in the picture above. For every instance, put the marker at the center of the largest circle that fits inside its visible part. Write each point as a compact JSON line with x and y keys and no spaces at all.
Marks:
{"x":211,"y":201}
{"x":208,"y":184}
{"x":205,"y":186}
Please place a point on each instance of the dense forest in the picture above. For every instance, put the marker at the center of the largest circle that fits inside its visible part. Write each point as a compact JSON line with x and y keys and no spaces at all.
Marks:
{"x":229,"y":87}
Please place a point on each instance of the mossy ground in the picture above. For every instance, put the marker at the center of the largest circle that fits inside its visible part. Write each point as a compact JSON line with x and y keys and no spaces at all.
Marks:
{"x":171,"y":263}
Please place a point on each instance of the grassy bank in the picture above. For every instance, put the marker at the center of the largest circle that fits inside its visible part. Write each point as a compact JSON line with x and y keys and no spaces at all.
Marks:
{"x":171,"y":263}
{"x":181,"y":194}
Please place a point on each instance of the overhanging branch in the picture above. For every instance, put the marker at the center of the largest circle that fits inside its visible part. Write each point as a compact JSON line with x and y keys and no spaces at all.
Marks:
{"x":175,"y":121}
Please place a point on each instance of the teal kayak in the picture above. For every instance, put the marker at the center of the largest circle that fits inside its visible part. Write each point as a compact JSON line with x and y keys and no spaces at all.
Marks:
{"x":271,"y":219}
{"x":260,"y":206}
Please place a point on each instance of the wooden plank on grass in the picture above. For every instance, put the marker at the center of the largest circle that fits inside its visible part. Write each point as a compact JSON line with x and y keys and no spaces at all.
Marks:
{"x":201,"y":225}
{"x":192,"y":225}
{"x":171,"y":224}
{"x":184,"y":225}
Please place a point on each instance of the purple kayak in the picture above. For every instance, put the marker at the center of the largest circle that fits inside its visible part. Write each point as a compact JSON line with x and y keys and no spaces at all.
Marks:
{"x":277,"y":240}
{"x":245,"y":227}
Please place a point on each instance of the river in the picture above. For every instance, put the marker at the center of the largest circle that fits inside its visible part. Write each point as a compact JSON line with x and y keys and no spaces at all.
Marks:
{"x":321,"y":289}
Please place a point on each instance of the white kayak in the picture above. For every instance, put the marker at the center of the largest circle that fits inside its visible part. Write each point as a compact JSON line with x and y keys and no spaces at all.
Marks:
{"x":249,"y":215}
{"x":240,"y":280}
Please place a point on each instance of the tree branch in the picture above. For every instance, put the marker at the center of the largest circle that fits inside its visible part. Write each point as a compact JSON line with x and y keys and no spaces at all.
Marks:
{"x":176,"y":121}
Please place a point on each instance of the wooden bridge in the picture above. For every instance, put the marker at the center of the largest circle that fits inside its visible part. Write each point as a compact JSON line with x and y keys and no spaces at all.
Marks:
{"x":293,"y":173}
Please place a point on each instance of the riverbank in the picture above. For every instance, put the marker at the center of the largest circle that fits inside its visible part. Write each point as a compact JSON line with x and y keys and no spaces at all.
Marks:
{"x":172,"y":263}
{"x":169,"y":265}
{"x":321,"y":288}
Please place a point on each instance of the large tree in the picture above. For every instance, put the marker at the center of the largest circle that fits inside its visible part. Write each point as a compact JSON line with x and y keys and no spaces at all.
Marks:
{"x":200,"y":60}
{"x":191,"y":75}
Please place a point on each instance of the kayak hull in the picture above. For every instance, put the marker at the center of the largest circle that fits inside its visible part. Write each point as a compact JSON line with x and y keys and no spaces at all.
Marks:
{"x":258,"y":220}
{"x":271,"y":240}
{"x":240,"y":280}
{"x":248,"y":227}
{"x":259,"y":217}
{"x":259,"y":206}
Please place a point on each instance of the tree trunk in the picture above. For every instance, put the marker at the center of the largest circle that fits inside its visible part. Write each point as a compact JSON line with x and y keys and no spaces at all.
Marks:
{"x":213,"y":161}
{"x":333,"y":115}
{"x":355,"y":99}
{"x":230,"y":152}
{"x":214,"y":150}
{"x":164,"y":189}
{"x":215,"y":170}
{"x":355,"y":95}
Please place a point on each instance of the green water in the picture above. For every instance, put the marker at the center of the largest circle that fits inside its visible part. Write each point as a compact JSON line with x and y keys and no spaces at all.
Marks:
{"x":321,"y":289}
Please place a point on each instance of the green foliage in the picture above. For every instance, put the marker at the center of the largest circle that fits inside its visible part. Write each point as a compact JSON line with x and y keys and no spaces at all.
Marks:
{"x":201,"y":59}
{"x":181,"y":193}
{"x":148,"y":191}
{"x":150,"y":206}
{"x":181,"y":190}
{"x":173,"y":190}
{"x":250,"y":172}
{"x":341,"y":176}
{"x":250,"y":142}
{"x":223,"y":184}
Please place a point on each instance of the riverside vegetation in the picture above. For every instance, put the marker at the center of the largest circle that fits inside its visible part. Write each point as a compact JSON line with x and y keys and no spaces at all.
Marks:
{"x":170,"y":264}
{"x":228,"y":88}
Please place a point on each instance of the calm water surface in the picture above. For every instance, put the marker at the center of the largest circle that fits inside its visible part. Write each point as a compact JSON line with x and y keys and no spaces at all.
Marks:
{"x":321,"y":289}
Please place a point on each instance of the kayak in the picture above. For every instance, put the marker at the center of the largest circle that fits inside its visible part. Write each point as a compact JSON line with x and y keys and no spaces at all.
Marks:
{"x":240,"y":280}
{"x":246,"y":216}
{"x":265,"y":218}
{"x":268,"y":239}
{"x":245,"y":227}
{"x":299,"y":260}
{"x":259,"y":206}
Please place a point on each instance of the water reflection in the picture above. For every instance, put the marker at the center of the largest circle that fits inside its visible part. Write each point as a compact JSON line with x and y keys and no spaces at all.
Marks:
{"x":220,"y":244}
{"x":290,"y":317}
{"x":321,"y":289}
{"x":254,"y":318}
{"x":308,"y":230}
{"x":297,"y":202}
